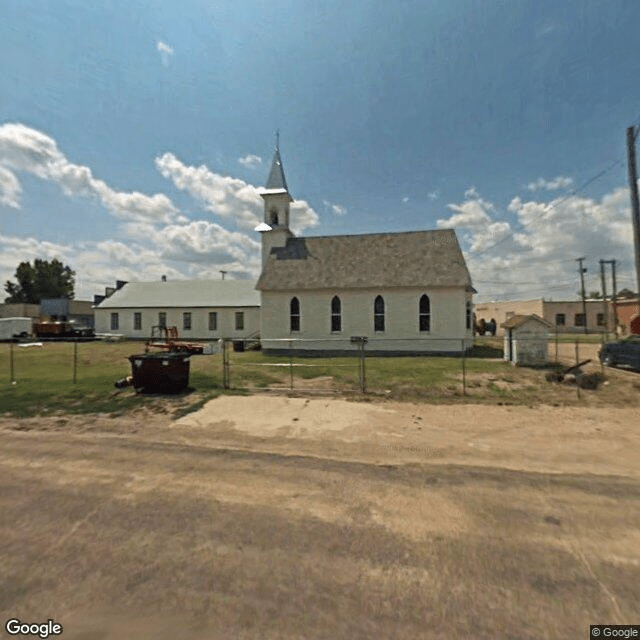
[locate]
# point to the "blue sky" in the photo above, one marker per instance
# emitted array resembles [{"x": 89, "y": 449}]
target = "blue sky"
[{"x": 134, "y": 136}]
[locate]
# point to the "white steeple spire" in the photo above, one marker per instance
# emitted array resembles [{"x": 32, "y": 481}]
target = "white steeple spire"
[
  {"x": 275, "y": 228},
  {"x": 276, "y": 178}
]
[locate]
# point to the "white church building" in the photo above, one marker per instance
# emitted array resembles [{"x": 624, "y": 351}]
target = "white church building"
[{"x": 407, "y": 292}]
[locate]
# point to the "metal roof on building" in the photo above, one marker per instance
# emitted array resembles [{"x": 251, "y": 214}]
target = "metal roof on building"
[
  {"x": 408, "y": 259},
  {"x": 184, "y": 294}
]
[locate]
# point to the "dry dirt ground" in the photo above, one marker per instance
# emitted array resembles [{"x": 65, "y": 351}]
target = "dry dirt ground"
[{"x": 272, "y": 517}]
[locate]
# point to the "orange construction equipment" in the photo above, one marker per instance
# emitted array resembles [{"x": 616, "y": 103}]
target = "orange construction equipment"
[{"x": 167, "y": 338}]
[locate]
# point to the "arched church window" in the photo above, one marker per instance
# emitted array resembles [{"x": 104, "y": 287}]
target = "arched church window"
[
  {"x": 336, "y": 314},
  {"x": 425, "y": 313},
  {"x": 378, "y": 314},
  {"x": 274, "y": 218},
  {"x": 294, "y": 314}
]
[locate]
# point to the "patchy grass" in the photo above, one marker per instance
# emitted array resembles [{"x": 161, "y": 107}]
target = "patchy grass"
[{"x": 44, "y": 379}]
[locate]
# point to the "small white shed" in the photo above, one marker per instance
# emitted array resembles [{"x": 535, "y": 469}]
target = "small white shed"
[{"x": 526, "y": 340}]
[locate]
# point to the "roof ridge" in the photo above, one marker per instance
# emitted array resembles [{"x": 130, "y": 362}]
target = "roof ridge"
[{"x": 382, "y": 233}]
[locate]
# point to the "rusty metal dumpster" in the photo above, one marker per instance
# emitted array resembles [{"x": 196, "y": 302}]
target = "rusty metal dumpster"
[{"x": 160, "y": 372}]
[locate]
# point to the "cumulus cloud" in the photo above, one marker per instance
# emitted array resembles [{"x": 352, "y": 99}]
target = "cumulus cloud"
[
  {"x": 528, "y": 251},
  {"x": 166, "y": 52},
  {"x": 335, "y": 209},
  {"x": 250, "y": 161},
  {"x": 230, "y": 198},
  {"x": 10, "y": 188},
  {"x": 23, "y": 149},
  {"x": 473, "y": 212},
  {"x": 560, "y": 182}
]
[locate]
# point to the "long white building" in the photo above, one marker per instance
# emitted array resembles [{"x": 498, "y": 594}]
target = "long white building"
[{"x": 199, "y": 309}]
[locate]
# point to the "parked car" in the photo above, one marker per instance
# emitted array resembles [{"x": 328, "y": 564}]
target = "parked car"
[{"x": 625, "y": 351}]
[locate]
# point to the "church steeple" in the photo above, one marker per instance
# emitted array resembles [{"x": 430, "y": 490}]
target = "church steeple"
[
  {"x": 276, "y": 194},
  {"x": 276, "y": 175},
  {"x": 275, "y": 227}
]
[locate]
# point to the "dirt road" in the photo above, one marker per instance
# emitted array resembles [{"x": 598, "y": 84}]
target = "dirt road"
[{"x": 262, "y": 517}]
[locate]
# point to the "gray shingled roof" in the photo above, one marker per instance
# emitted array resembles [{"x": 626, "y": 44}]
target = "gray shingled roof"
[
  {"x": 409, "y": 259},
  {"x": 185, "y": 293}
]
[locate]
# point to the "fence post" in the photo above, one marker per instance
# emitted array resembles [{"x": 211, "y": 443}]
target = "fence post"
[
  {"x": 464, "y": 371},
  {"x": 290, "y": 366},
  {"x": 75, "y": 359},
  {"x": 577, "y": 361},
  {"x": 13, "y": 380},
  {"x": 556, "y": 344},
  {"x": 363, "y": 376},
  {"x": 225, "y": 365}
]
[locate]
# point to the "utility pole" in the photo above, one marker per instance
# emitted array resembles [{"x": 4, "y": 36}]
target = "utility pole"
[
  {"x": 582, "y": 271},
  {"x": 635, "y": 202},
  {"x": 604, "y": 298},
  {"x": 614, "y": 298}
]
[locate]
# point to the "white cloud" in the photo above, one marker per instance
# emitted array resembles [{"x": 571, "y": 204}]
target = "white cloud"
[
  {"x": 250, "y": 161},
  {"x": 560, "y": 182},
  {"x": 10, "y": 189},
  {"x": 227, "y": 197},
  {"x": 206, "y": 242},
  {"x": 531, "y": 254},
  {"x": 166, "y": 52},
  {"x": 31, "y": 151},
  {"x": 433, "y": 195},
  {"x": 405, "y": 199},
  {"x": 473, "y": 212},
  {"x": 335, "y": 209},
  {"x": 471, "y": 193}
]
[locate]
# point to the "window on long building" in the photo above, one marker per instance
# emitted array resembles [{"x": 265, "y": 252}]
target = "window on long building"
[
  {"x": 468, "y": 316},
  {"x": 115, "y": 322},
  {"x": 336, "y": 314},
  {"x": 186, "y": 321},
  {"x": 378, "y": 314},
  {"x": 137, "y": 321},
  {"x": 213, "y": 321},
  {"x": 294, "y": 315},
  {"x": 425, "y": 313},
  {"x": 162, "y": 319},
  {"x": 239, "y": 320}
]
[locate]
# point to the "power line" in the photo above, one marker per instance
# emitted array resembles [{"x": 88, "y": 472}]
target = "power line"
[{"x": 556, "y": 204}]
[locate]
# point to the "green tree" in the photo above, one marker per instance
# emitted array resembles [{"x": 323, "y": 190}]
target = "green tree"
[
  {"x": 42, "y": 280},
  {"x": 594, "y": 295}
]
